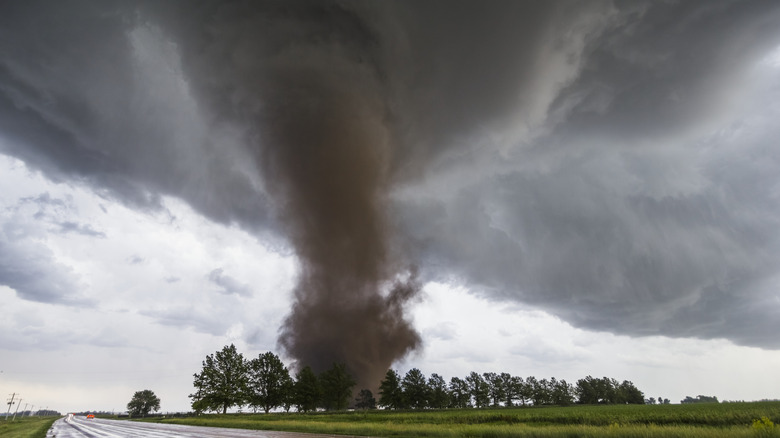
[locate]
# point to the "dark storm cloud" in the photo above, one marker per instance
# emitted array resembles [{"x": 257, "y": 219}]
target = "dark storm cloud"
[
  {"x": 611, "y": 163},
  {"x": 89, "y": 93},
  {"x": 666, "y": 68},
  {"x": 650, "y": 205}
]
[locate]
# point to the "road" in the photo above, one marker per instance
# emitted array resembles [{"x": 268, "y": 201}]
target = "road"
[{"x": 80, "y": 427}]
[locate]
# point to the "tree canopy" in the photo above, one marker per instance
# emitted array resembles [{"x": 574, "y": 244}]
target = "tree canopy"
[
  {"x": 222, "y": 383},
  {"x": 438, "y": 397},
  {"x": 142, "y": 403},
  {"x": 460, "y": 396},
  {"x": 307, "y": 391},
  {"x": 336, "y": 384},
  {"x": 479, "y": 389},
  {"x": 390, "y": 392},
  {"x": 591, "y": 390},
  {"x": 415, "y": 389},
  {"x": 700, "y": 399},
  {"x": 268, "y": 382},
  {"x": 365, "y": 400}
]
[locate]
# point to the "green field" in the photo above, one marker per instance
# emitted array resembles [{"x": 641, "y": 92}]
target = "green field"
[
  {"x": 27, "y": 427},
  {"x": 693, "y": 420}
]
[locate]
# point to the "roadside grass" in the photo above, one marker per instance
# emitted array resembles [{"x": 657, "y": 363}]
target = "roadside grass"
[
  {"x": 26, "y": 427},
  {"x": 695, "y": 420}
]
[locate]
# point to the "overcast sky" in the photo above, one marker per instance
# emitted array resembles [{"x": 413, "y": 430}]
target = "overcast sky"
[{"x": 557, "y": 189}]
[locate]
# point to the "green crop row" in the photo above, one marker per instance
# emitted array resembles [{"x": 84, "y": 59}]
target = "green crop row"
[
  {"x": 728, "y": 419},
  {"x": 26, "y": 427}
]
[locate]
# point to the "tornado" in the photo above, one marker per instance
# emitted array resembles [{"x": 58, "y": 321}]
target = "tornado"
[
  {"x": 305, "y": 84},
  {"x": 327, "y": 165}
]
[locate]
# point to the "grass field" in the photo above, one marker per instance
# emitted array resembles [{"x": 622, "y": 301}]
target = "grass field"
[
  {"x": 27, "y": 427},
  {"x": 695, "y": 420}
]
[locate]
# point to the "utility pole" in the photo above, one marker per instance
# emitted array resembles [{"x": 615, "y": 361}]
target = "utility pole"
[
  {"x": 31, "y": 410},
  {"x": 17, "y": 409},
  {"x": 25, "y": 409},
  {"x": 10, "y": 402}
]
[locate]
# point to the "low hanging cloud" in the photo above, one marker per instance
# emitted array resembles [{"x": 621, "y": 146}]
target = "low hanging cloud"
[
  {"x": 31, "y": 269},
  {"x": 53, "y": 211},
  {"x": 135, "y": 259},
  {"x": 27, "y": 264},
  {"x": 229, "y": 285},
  {"x": 69, "y": 227},
  {"x": 612, "y": 164}
]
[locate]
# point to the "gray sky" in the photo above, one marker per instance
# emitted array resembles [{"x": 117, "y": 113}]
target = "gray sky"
[{"x": 576, "y": 188}]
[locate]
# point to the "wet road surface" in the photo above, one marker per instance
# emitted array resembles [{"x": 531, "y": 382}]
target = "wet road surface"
[{"x": 80, "y": 427}]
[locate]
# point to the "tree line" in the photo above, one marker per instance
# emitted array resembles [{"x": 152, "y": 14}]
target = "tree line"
[
  {"x": 227, "y": 380},
  {"x": 414, "y": 391},
  {"x": 699, "y": 399}
]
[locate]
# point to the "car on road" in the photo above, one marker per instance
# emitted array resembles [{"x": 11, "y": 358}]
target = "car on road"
[{"x": 90, "y": 416}]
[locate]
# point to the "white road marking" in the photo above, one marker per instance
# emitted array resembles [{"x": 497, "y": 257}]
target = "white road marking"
[{"x": 80, "y": 427}]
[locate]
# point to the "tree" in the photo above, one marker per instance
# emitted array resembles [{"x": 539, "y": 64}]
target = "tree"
[
  {"x": 365, "y": 400},
  {"x": 142, "y": 403},
  {"x": 496, "y": 389},
  {"x": 267, "y": 379},
  {"x": 610, "y": 387},
  {"x": 479, "y": 389},
  {"x": 589, "y": 390},
  {"x": 288, "y": 389},
  {"x": 199, "y": 403},
  {"x": 438, "y": 397},
  {"x": 307, "y": 390},
  {"x": 562, "y": 392},
  {"x": 460, "y": 395},
  {"x": 605, "y": 390},
  {"x": 222, "y": 383},
  {"x": 535, "y": 390},
  {"x": 415, "y": 389},
  {"x": 700, "y": 399},
  {"x": 542, "y": 392},
  {"x": 390, "y": 392},
  {"x": 510, "y": 391},
  {"x": 628, "y": 393},
  {"x": 336, "y": 384},
  {"x": 516, "y": 391}
]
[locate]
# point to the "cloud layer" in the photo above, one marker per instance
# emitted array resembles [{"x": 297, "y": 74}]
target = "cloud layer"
[{"x": 614, "y": 165}]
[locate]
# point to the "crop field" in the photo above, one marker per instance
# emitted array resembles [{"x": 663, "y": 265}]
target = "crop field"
[
  {"x": 26, "y": 427},
  {"x": 693, "y": 420}
]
